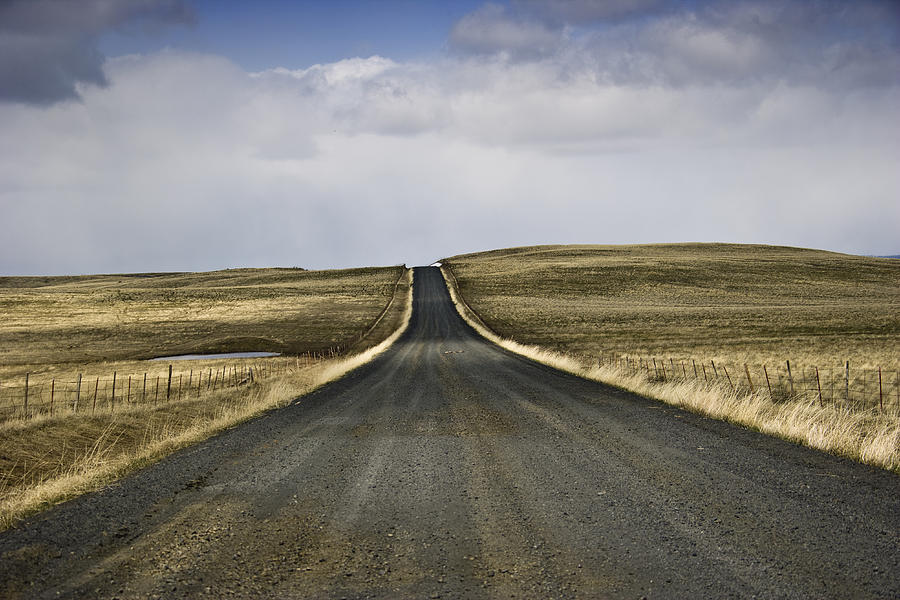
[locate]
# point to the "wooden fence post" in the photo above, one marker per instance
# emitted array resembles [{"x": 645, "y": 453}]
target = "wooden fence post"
[
  {"x": 695, "y": 369},
  {"x": 768, "y": 385},
  {"x": 180, "y": 375},
  {"x": 819, "y": 387},
  {"x": 790, "y": 377},
  {"x": 169, "y": 385},
  {"x": 724, "y": 368},
  {"x": 715, "y": 372},
  {"x": 112, "y": 402},
  {"x": 52, "y": 393},
  {"x": 144, "y": 390},
  {"x": 847, "y": 383},
  {"x": 750, "y": 381},
  {"x": 156, "y": 395},
  {"x": 880, "y": 397},
  {"x": 96, "y": 387},
  {"x": 128, "y": 398},
  {"x": 199, "y": 381},
  {"x": 705, "y": 378},
  {"x": 26, "y": 395},
  {"x": 683, "y": 371},
  {"x": 77, "y": 392}
]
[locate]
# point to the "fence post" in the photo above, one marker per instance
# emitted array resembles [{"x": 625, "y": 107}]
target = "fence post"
[
  {"x": 790, "y": 377},
  {"x": 714, "y": 368},
  {"x": 112, "y": 401},
  {"x": 724, "y": 368},
  {"x": 199, "y": 381},
  {"x": 52, "y": 393},
  {"x": 180, "y": 375},
  {"x": 695, "y": 368},
  {"x": 77, "y": 392},
  {"x": 847, "y": 383},
  {"x": 144, "y": 390},
  {"x": 683, "y": 371},
  {"x": 129, "y": 390},
  {"x": 251, "y": 374},
  {"x": 768, "y": 385},
  {"x": 26, "y": 395},
  {"x": 750, "y": 381},
  {"x": 705, "y": 378},
  {"x": 96, "y": 387},
  {"x": 880, "y": 397},
  {"x": 156, "y": 394},
  {"x": 819, "y": 387},
  {"x": 169, "y": 385}
]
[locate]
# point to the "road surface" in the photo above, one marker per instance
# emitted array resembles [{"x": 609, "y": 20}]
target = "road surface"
[{"x": 451, "y": 468}]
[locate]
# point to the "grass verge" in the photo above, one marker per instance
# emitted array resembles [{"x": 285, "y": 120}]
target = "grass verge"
[
  {"x": 865, "y": 436},
  {"x": 52, "y": 459}
]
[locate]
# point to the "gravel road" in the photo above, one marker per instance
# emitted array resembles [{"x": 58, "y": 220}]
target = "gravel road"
[{"x": 451, "y": 468}]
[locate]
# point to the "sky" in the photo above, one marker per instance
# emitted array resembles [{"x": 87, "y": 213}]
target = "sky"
[{"x": 170, "y": 135}]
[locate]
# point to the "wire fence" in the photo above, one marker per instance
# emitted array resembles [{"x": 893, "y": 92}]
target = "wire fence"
[
  {"x": 851, "y": 388},
  {"x": 35, "y": 395}
]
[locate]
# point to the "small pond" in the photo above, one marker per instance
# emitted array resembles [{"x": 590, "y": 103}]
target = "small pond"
[{"x": 214, "y": 356}]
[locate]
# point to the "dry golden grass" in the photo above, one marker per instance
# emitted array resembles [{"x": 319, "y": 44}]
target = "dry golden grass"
[
  {"x": 724, "y": 302},
  {"x": 75, "y": 320},
  {"x": 867, "y": 435},
  {"x": 47, "y": 459}
]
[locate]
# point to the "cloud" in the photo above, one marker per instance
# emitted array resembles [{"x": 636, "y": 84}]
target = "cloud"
[
  {"x": 667, "y": 127},
  {"x": 577, "y": 12},
  {"x": 48, "y": 48},
  {"x": 493, "y": 29}
]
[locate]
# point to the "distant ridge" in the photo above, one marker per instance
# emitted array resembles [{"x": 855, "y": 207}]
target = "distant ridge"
[{"x": 890, "y": 256}]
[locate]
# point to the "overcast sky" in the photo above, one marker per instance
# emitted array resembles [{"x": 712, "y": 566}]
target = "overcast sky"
[{"x": 158, "y": 135}]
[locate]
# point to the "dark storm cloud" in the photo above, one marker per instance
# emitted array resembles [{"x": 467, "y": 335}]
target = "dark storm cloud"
[{"x": 48, "y": 47}]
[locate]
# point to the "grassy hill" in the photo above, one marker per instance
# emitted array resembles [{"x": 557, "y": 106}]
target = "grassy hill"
[
  {"x": 52, "y": 320},
  {"x": 743, "y": 303}
]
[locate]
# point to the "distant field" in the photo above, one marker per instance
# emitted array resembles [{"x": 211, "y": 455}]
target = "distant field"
[
  {"x": 736, "y": 303},
  {"x": 88, "y": 319}
]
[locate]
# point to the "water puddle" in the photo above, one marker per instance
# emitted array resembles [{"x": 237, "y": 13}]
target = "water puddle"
[{"x": 215, "y": 356}]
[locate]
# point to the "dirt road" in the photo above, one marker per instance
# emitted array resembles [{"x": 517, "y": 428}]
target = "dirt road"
[{"x": 450, "y": 468}]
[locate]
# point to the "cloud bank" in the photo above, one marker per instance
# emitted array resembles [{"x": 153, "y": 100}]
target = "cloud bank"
[{"x": 564, "y": 122}]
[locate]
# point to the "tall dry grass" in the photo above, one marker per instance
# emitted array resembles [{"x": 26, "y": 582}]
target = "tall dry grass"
[
  {"x": 866, "y": 436},
  {"x": 50, "y": 459}
]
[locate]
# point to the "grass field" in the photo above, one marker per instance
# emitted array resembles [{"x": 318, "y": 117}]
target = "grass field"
[
  {"x": 710, "y": 303},
  {"x": 94, "y": 318},
  {"x": 735, "y": 303},
  {"x": 50, "y": 457}
]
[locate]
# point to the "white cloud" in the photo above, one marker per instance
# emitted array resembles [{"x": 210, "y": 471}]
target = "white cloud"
[{"x": 186, "y": 161}]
